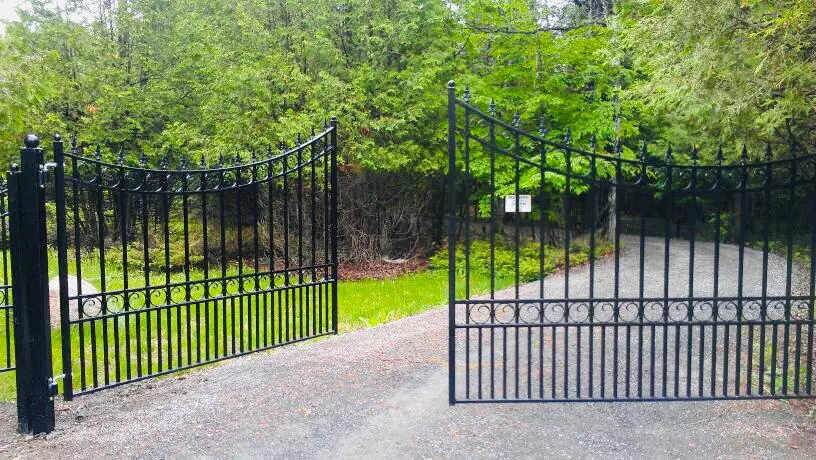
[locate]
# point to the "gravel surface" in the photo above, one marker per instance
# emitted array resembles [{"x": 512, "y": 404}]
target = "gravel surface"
[{"x": 382, "y": 393}]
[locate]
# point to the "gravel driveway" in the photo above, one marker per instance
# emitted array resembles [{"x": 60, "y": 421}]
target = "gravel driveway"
[{"x": 382, "y": 393}]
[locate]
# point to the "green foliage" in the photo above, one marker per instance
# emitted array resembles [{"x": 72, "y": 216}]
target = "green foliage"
[
  {"x": 723, "y": 71},
  {"x": 529, "y": 267}
]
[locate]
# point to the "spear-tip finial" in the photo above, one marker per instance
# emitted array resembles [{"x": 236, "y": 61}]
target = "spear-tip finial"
[
  {"x": 542, "y": 125},
  {"x": 618, "y": 147},
  {"x": 516, "y": 120},
  {"x": 121, "y": 157},
  {"x": 202, "y": 163},
  {"x": 491, "y": 109},
  {"x": 466, "y": 94},
  {"x": 669, "y": 154},
  {"x": 593, "y": 143},
  {"x": 695, "y": 157},
  {"x": 98, "y": 152},
  {"x": 719, "y": 155},
  {"x": 567, "y": 136},
  {"x": 744, "y": 155},
  {"x": 143, "y": 158},
  {"x": 644, "y": 152}
]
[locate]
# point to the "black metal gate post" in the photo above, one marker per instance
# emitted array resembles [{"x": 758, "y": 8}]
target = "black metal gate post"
[
  {"x": 451, "y": 243},
  {"x": 32, "y": 331}
]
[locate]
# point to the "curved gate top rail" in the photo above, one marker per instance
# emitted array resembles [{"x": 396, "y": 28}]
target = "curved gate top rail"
[
  {"x": 162, "y": 269},
  {"x": 614, "y": 278}
]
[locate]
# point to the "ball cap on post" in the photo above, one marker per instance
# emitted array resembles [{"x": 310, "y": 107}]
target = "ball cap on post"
[{"x": 31, "y": 141}]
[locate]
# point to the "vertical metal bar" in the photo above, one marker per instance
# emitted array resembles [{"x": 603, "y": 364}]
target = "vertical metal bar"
[
  {"x": 692, "y": 240},
  {"x": 517, "y": 251},
  {"x": 616, "y": 187},
  {"x": 239, "y": 227},
  {"x": 205, "y": 244},
  {"x": 123, "y": 239},
  {"x": 466, "y": 194},
  {"x": 764, "y": 308},
  {"x": 335, "y": 220},
  {"x": 276, "y": 323},
  {"x": 716, "y": 287},
  {"x": 146, "y": 258},
  {"x": 812, "y": 293},
  {"x": 253, "y": 190},
  {"x": 668, "y": 209},
  {"x": 62, "y": 262},
  {"x": 791, "y": 218},
  {"x": 741, "y": 271},
  {"x": 100, "y": 217},
  {"x": 644, "y": 180},
  {"x": 185, "y": 221},
  {"x": 567, "y": 211},
  {"x": 222, "y": 235},
  {"x": 313, "y": 228},
  {"x": 592, "y": 229},
  {"x": 300, "y": 238},
  {"x": 168, "y": 291},
  {"x": 451, "y": 243},
  {"x": 541, "y": 265},
  {"x": 492, "y": 153}
]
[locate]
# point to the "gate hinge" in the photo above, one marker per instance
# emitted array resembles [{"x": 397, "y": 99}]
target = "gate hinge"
[{"x": 45, "y": 171}]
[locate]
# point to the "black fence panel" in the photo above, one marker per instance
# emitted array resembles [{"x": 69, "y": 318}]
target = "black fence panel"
[
  {"x": 619, "y": 276},
  {"x": 171, "y": 267}
]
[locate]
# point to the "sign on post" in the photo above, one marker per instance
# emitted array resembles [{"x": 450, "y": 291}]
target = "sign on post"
[{"x": 525, "y": 203}]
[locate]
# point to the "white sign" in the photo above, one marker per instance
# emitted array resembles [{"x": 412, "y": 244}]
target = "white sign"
[{"x": 525, "y": 203}]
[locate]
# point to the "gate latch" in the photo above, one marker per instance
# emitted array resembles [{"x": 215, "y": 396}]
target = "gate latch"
[
  {"x": 44, "y": 172},
  {"x": 53, "y": 389}
]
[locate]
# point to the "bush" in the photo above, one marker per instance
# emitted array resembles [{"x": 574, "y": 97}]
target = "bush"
[{"x": 529, "y": 262}]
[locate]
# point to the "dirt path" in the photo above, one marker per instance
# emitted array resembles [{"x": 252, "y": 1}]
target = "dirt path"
[{"x": 382, "y": 393}]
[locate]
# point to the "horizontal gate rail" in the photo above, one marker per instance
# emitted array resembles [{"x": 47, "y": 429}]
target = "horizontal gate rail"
[
  {"x": 167, "y": 268},
  {"x": 618, "y": 275}
]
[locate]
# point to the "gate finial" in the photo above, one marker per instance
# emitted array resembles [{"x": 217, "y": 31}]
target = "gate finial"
[
  {"x": 744, "y": 155},
  {"x": 31, "y": 141},
  {"x": 542, "y": 125},
  {"x": 593, "y": 143},
  {"x": 491, "y": 109},
  {"x": 644, "y": 153},
  {"x": 516, "y": 120},
  {"x": 694, "y": 156},
  {"x": 466, "y": 95},
  {"x": 768, "y": 151},
  {"x": 567, "y": 137},
  {"x": 719, "y": 155}
]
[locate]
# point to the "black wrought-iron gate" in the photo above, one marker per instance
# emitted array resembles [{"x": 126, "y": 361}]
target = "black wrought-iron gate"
[
  {"x": 612, "y": 275},
  {"x": 165, "y": 267}
]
